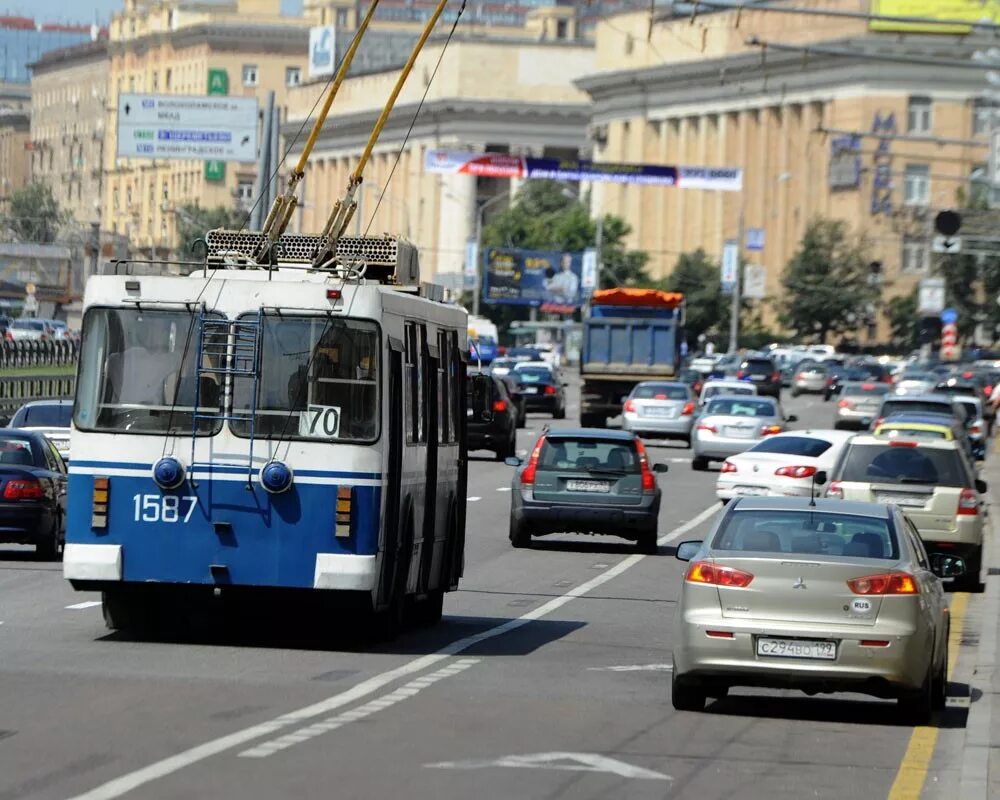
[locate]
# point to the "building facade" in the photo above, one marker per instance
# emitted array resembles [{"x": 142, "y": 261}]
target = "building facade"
[
  {"x": 829, "y": 120},
  {"x": 15, "y": 138},
  {"x": 245, "y": 48},
  {"x": 69, "y": 108},
  {"x": 498, "y": 95}
]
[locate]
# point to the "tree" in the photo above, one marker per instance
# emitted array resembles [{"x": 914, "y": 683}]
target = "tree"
[
  {"x": 193, "y": 222},
  {"x": 35, "y": 215},
  {"x": 827, "y": 283},
  {"x": 904, "y": 322},
  {"x": 545, "y": 215},
  {"x": 705, "y": 307}
]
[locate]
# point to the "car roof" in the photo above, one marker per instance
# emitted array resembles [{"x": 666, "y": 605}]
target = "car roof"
[
  {"x": 743, "y": 398},
  {"x": 727, "y": 382},
  {"x": 36, "y": 403},
  {"x": 936, "y": 444},
  {"x": 538, "y": 364},
  {"x": 878, "y": 510},
  {"x": 939, "y": 397},
  {"x": 589, "y": 433},
  {"x": 904, "y": 425},
  {"x": 664, "y": 382},
  {"x": 35, "y": 437},
  {"x": 923, "y": 417},
  {"x": 830, "y": 434}
]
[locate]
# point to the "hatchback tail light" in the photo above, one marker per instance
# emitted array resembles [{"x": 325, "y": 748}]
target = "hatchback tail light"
[
  {"x": 844, "y": 404},
  {"x": 887, "y": 583},
  {"x": 629, "y": 406},
  {"x": 528, "y": 473},
  {"x": 898, "y": 443},
  {"x": 968, "y": 503},
  {"x": 835, "y": 490},
  {"x": 976, "y": 429},
  {"x": 688, "y": 410},
  {"x": 728, "y": 466},
  {"x": 550, "y": 389},
  {"x": 795, "y": 472},
  {"x": 648, "y": 478},
  {"x": 23, "y": 489},
  {"x": 775, "y": 376},
  {"x": 800, "y": 376},
  {"x": 499, "y": 406},
  {"x": 707, "y": 572},
  {"x": 868, "y": 387},
  {"x": 878, "y": 422},
  {"x": 741, "y": 374}
]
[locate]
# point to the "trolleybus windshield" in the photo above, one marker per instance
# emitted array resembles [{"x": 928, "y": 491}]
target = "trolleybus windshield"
[
  {"x": 137, "y": 373},
  {"x": 319, "y": 380}
]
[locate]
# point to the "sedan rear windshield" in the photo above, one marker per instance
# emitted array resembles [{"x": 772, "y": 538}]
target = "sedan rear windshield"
[
  {"x": 728, "y": 406},
  {"x": 896, "y": 463},
  {"x": 858, "y": 390},
  {"x": 758, "y": 366},
  {"x": 712, "y": 391},
  {"x": 793, "y": 446},
  {"x": 807, "y": 532},
  {"x": 28, "y": 325},
  {"x": 660, "y": 391},
  {"x": 533, "y": 375},
  {"x": 589, "y": 455},
  {"x": 15, "y": 452},
  {"x": 49, "y": 416}
]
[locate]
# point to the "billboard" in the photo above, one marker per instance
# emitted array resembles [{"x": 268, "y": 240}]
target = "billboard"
[
  {"x": 504, "y": 165},
  {"x": 845, "y": 162},
  {"x": 944, "y": 10},
  {"x": 322, "y": 51},
  {"x": 550, "y": 281}
]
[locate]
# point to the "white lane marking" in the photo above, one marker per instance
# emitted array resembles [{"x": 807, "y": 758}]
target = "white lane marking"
[
  {"x": 83, "y": 605},
  {"x": 572, "y": 762},
  {"x": 126, "y": 783},
  {"x": 504, "y": 489},
  {"x": 680, "y": 460},
  {"x": 635, "y": 668},
  {"x": 265, "y": 749},
  {"x": 474, "y": 499}
]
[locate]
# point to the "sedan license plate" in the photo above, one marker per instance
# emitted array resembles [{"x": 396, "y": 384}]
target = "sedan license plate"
[
  {"x": 758, "y": 377},
  {"x": 588, "y": 486},
  {"x": 738, "y": 433},
  {"x": 750, "y": 491},
  {"x": 797, "y": 648},
  {"x": 529, "y": 390},
  {"x": 658, "y": 411}
]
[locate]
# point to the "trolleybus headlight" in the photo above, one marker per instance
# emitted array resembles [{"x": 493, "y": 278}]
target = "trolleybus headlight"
[
  {"x": 168, "y": 473},
  {"x": 275, "y": 477}
]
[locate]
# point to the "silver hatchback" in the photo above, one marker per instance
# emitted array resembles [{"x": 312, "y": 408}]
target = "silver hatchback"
[
  {"x": 655, "y": 409},
  {"x": 823, "y": 596},
  {"x": 731, "y": 424}
]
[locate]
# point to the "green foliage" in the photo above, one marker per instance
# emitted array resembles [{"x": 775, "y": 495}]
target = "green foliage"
[
  {"x": 34, "y": 214},
  {"x": 193, "y": 222},
  {"x": 827, "y": 282},
  {"x": 545, "y": 215},
  {"x": 706, "y": 309},
  {"x": 961, "y": 273},
  {"x": 904, "y": 324}
]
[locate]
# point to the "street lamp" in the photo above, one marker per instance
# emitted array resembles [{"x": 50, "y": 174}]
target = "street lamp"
[{"x": 480, "y": 211}]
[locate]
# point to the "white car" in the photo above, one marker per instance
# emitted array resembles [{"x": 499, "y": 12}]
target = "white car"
[
  {"x": 48, "y": 417},
  {"x": 712, "y": 388},
  {"x": 548, "y": 351},
  {"x": 783, "y": 465},
  {"x": 31, "y": 330}
]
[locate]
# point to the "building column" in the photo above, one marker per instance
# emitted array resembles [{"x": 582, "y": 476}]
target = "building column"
[{"x": 456, "y": 224}]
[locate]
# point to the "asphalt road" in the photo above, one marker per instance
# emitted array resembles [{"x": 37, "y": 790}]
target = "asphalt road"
[{"x": 549, "y": 678}]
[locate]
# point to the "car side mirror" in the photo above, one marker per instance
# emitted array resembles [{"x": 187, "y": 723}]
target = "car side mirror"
[
  {"x": 513, "y": 461},
  {"x": 660, "y": 468},
  {"x": 947, "y": 566},
  {"x": 791, "y": 418},
  {"x": 687, "y": 550},
  {"x": 981, "y": 486},
  {"x": 819, "y": 478}
]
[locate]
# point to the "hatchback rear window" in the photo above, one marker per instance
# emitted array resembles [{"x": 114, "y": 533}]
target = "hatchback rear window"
[
  {"x": 660, "y": 391},
  {"x": 863, "y": 389},
  {"x": 793, "y": 446},
  {"x": 900, "y": 464},
  {"x": 758, "y": 366},
  {"x": 741, "y": 408},
  {"x": 586, "y": 455},
  {"x": 890, "y": 407},
  {"x": 807, "y": 532}
]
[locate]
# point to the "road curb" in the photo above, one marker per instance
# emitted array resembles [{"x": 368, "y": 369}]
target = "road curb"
[{"x": 975, "y": 780}]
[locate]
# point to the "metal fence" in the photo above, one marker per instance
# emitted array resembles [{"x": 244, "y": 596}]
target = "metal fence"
[
  {"x": 16, "y": 390},
  {"x": 38, "y": 354}
]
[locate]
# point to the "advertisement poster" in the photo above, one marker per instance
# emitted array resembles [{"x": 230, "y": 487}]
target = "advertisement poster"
[{"x": 547, "y": 280}]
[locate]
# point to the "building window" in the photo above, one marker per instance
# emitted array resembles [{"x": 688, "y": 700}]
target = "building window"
[
  {"x": 156, "y": 81},
  {"x": 917, "y": 185},
  {"x": 918, "y": 115},
  {"x": 293, "y": 76},
  {"x": 249, "y": 74},
  {"x": 915, "y": 256},
  {"x": 166, "y": 191},
  {"x": 168, "y": 76},
  {"x": 341, "y": 18},
  {"x": 244, "y": 194},
  {"x": 982, "y": 117},
  {"x": 128, "y": 197},
  {"x": 562, "y": 28},
  {"x": 114, "y": 200}
]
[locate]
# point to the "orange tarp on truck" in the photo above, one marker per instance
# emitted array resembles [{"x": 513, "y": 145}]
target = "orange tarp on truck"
[{"x": 651, "y": 298}]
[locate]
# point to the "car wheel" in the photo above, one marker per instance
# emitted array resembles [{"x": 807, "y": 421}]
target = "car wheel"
[
  {"x": 522, "y": 419},
  {"x": 647, "y": 543},
  {"x": 916, "y": 706},
  {"x": 686, "y": 696},
  {"x": 519, "y": 535},
  {"x": 51, "y": 548},
  {"x": 795, "y": 392},
  {"x": 699, "y": 463},
  {"x": 559, "y": 413},
  {"x": 969, "y": 582},
  {"x": 940, "y": 688},
  {"x": 687, "y": 442}
]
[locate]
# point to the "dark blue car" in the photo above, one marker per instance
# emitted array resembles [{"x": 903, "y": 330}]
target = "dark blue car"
[{"x": 32, "y": 492}]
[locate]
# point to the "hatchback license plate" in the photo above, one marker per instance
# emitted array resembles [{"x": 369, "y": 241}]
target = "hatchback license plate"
[
  {"x": 908, "y": 500},
  {"x": 588, "y": 486},
  {"x": 797, "y": 648}
]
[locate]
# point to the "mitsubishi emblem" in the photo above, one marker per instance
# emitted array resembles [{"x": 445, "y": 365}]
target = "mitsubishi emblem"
[{"x": 799, "y": 583}]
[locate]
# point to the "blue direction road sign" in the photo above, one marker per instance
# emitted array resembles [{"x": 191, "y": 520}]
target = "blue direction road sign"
[
  {"x": 949, "y": 316},
  {"x": 755, "y": 239}
]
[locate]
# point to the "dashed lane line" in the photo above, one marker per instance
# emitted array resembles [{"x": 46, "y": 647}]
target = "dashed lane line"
[
  {"x": 160, "y": 769},
  {"x": 473, "y": 499},
  {"x": 83, "y": 605}
]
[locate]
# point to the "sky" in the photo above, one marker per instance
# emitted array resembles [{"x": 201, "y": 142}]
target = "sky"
[{"x": 95, "y": 11}]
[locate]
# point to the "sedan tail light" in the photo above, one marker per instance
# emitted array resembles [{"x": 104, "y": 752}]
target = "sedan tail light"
[
  {"x": 23, "y": 489},
  {"x": 528, "y": 473},
  {"x": 629, "y": 406},
  {"x": 707, "y": 572},
  {"x": 968, "y": 503},
  {"x": 728, "y": 466},
  {"x": 835, "y": 490},
  {"x": 741, "y": 374},
  {"x": 709, "y": 428},
  {"x": 844, "y": 404},
  {"x": 800, "y": 376},
  {"x": 775, "y": 376},
  {"x": 887, "y": 583},
  {"x": 550, "y": 389},
  {"x": 767, "y": 430},
  {"x": 795, "y": 472},
  {"x": 688, "y": 410}
]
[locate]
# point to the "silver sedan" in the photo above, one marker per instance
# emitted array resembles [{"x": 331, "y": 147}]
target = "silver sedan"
[
  {"x": 822, "y": 597},
  {"x": 731, "y": 424}
]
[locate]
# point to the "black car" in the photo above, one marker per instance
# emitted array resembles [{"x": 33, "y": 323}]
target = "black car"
[
  {"x": 514, "y": 390},
  {"x": 763, "y": 374},
  {"x": 32, "y": 492},
  {"x": 491, "y": 416},
  {"x": 542, "y": 388}
]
